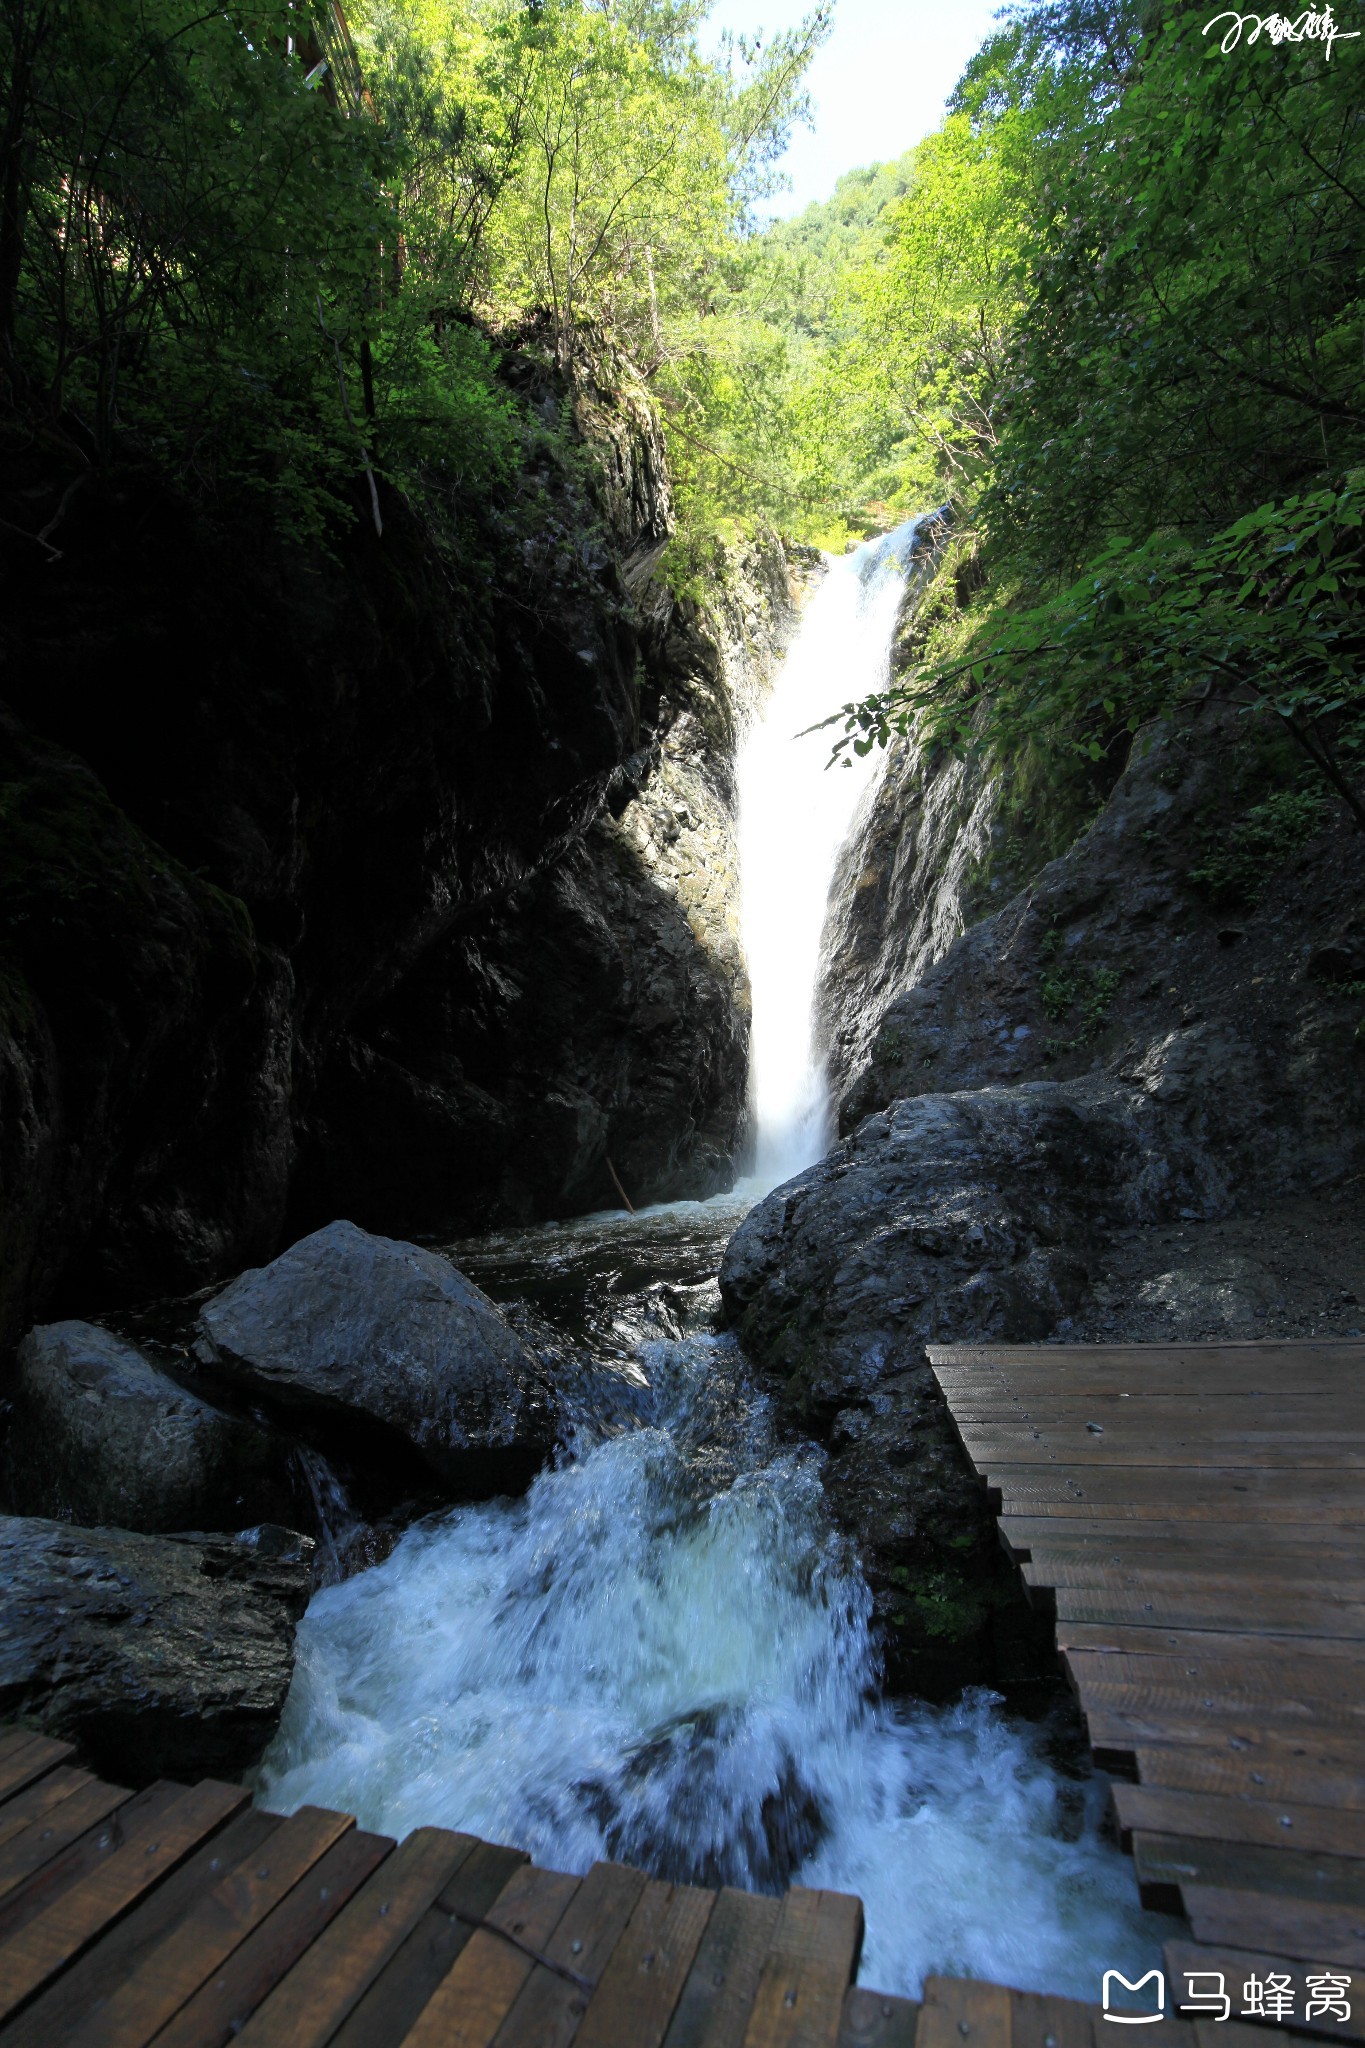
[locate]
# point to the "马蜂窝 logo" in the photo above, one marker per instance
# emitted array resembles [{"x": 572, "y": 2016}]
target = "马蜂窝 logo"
[{"x": 1133, "y": 2019}]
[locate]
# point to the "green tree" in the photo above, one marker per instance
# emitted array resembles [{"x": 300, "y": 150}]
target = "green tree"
[{"x": 1193, "y": 339}]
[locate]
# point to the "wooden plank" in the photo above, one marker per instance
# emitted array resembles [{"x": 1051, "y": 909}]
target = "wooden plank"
[
  {"x": 1321, "y": 1686},
  {"x": 1026, "y": 1398},
  {"x": 1016, "y": 1392},
  {"x": 548, "y": 2009},
  {"x": 1255, "y": 1347},
  {"x": 1215, "y": 1372},
  {"x": 960, "y": 2012},
  {"x": 713, "y": 2010},
  {"x": 1296, "y": 1724},
  {"x": 1130, "y": 1640},
  {"x": 215, "y": 2016},
  {"x": 1254, "y": 1776},
  {"x": 45, "y": 1837},
  {"x": 1012, "y": 1402},
  {"x": 94, "y": 1847},
  {"x": 120, "y": 1950},
  {"x": 1007, "y": 1409},
  {"x": 1137, "y": 1491},
  {"x": 1117, "y": 1731},
  {"x": 206, "y": 1935},
  {"x": 1040, "y": 2022},
  {"x": 873, "y": 2019},
  {"x": 1128, "y": 1450},
  {"x": 641, "y": 1985},
  {"x": 1310, "y": 1627},
  {"x": 1166, "y": 1864},
  {"x": 1201, "y": 1607},
  {"x": 149, "y": 1852},
  {"x": 1309, "y": 1829},
  {"x": 472, "y": 2001},
  {"x": 799, "y": 2002},
  {"x": 1307, "y": 1930},
  {"x": 1096, "y": 1533},
  {"x": 27, "y": 1756},
  {"x": 1238, "y": 1966},
  {"x": 1209, "y": 2033},
  {"x": 1263, "y": 1353},
  {"x": 405, "y": 1984},
  {"x": 1192, "y": 1699},
  {"x": 1123, "y": 1435},
  {"x": 330, "y": 1980},
  {"x": 1200, "y": 1575},
  {"x": 1195, "y": 1512},
  {"x": 1199, "y": 1552},
  {"x": 39, "y": 1799}
]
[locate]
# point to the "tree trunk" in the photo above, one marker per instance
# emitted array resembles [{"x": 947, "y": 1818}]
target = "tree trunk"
[{"x": 15, "y": 170}]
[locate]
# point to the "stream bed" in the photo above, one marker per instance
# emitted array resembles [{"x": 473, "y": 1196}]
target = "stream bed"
[{"x": 661, "y": 1655}]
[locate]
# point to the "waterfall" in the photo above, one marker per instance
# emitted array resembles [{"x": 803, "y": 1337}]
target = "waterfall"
[
  {"x": 795, "y": 812},
  {"x": 663, "y": 1653}
]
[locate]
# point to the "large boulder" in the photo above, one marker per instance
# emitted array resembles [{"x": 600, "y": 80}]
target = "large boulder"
[
  {"x": 158, "y": 1656},
  {"x": 390, "y": 1348},
  {"x": 99, "y": 1434},
  {"x": 958, "y": 1218}
]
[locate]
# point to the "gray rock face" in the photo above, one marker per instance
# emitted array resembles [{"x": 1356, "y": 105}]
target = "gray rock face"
[
  {"x": 594, "y": 1021},
  {"x": 349, "y": 1330},
  {"x": 904, "y": 891},
  {"x": 957, "y": 1218},
  {"x": 100, "y": 1435},
  {"x": 298, "y": 964},
  {"x": 953, "y": 1219},
  {"x": 1117, "y": 958},
  {"x": 159, "y": 1656},
  {"x": 1049, "y": 1116}
]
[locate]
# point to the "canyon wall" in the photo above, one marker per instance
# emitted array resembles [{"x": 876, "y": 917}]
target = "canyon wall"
[
  {"x": 392, "y": 877},
  {"x": 1112, "y": 1091}
]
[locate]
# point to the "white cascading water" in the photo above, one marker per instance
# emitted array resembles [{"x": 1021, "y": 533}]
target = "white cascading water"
[
  {"x": 662, "y": 1653},
  {"x": 794, "y": 816}
]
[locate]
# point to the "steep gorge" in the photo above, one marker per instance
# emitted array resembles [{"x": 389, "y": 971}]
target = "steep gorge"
[
  {"x": 1099, "y": 1057},
  {"x": 395, "y": 880}
]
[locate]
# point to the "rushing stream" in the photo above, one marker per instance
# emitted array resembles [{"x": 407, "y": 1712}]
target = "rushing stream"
[{"x": 662, "y": 1654}]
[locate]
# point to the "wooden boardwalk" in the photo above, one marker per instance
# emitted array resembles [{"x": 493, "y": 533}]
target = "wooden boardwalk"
[
  {"x": 1194, "y": 1515},
  {"x": 189, "y": 1919}
]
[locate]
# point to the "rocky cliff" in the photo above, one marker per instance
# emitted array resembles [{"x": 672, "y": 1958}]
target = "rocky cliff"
[
  {"x": 587, "y": 1035},
  {"x": 393, "y": 879},
  {"x": 1127, "y": 1100}
]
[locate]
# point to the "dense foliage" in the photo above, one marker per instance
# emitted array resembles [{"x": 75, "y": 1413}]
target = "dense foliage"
[
  {"x": 1110, "y": 312},
  {"x": 265, "y": 247},
  {"x": 1122, "y": 305}
]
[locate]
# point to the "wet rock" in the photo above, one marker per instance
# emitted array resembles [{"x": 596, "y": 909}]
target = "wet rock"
[
  {"x": 952, "y": 1218},
  {"x": 144, "y": 1051},
  {"x": 157, "y": 1655},
  {"x": 697, "y": 1832},
  {"x": 592, "y": 1027},
  {"x": 903, "y": 890},
  {"x": 392, "y": 1347},
  {"x": 291, "y": 942},
  {"x": 1117, "y": 957},
  {"x": 99, "y": 1434}
]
